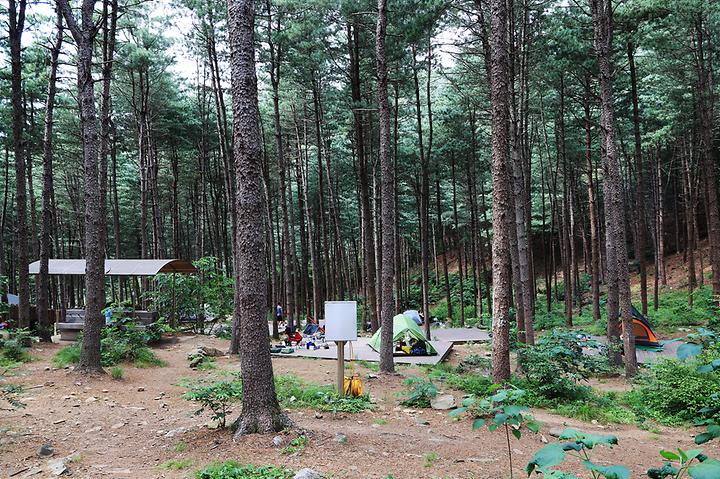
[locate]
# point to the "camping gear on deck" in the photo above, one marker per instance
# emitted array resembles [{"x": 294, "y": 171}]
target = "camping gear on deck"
[
  {"x": 414, "y": 315},
  {"x": 406, "y": 333},
  {"x": 644, "y": 335}
]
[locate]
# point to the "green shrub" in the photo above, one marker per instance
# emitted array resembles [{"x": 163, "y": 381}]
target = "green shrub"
[
  {"x": 117, "y": 373},
  {"x": 120, "y": 342},
  {"x": 420, "y": 393},
  {"x": 14, "y": 349},
  {"x": 555, "y": 366},
  {"x": 217, "y": 397},
  {"x": 674, "y": 392},
  {"x": 234, "y": 470}
]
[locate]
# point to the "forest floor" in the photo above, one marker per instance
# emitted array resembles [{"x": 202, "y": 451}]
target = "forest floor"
[{"x": 132, "y": 427}]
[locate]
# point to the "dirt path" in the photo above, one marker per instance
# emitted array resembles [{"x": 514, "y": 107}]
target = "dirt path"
[{"x": 128, "y": 428}]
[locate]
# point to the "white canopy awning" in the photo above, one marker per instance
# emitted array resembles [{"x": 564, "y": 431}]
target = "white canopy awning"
[{"x": 118, "y": 267}]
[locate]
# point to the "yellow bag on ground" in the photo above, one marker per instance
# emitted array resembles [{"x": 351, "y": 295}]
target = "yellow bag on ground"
[{"x": 352, "y": 386}]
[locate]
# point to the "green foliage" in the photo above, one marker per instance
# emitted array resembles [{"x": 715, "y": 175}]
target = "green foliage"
[
  {"x": 67, "y": 356},
  {"x": 607, "y": 408},
  {"x": 471, "y": 383},
  {"x": 209, "y": 292},
  {"x": 235, "y": 470},
  {"x": 121, "y": 341},
  {"x": 500, "y": 410},
  {"x": 294, "y": 393},
  {"x": 217, "y": 397},
  {"x": 674, "y": 392},
  {"x": 176, "y": 464},
  {"x": 578, "y": 445},
  {"x": 420, "y": 392},
  {"x": 556, "y": 364},
  {"x": 473, "y": 362},
  {"x": 430, "y": 458},
  {"x": 9, "y": 393},
  {"x": 14, "y": 348},
  {"x": 674, "y": 311},
  {"x": 296, "y": 446},
  {"x": 117, "y": 373}
]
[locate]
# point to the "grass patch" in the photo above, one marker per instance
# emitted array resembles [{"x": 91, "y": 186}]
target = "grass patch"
[
  {"x": 235, "y": 470},
  {"x": 176, "y": 464},
  {"x": 294, "y": 393},
  {"x": 430, "y": 458},
  {"x": 380, "y": 421},
  {"x": 599, "y": 408},
  {"x": 375, "y": 367},
  {"x": 117, "y": 373},
  {"x": 180, "y": 447},
  {"x": 67, "y": 356},
  {"x": 141, "y": 358},
  {"x": 471, "y": 383}
]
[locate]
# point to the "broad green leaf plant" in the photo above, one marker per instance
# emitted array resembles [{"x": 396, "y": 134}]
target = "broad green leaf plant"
[{"x": 500, "y": 411}]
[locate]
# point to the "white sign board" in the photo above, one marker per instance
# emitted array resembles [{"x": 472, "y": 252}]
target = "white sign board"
[{"x": 341, "y": 321}]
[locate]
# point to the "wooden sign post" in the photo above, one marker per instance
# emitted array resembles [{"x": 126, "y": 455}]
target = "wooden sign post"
[
  {"x": 341, "y": 367},
  {"x": 341, "y": 327}
]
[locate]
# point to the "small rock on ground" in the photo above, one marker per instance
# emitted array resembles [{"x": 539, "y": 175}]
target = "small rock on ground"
[
  {"x": 46, "y": 450},
  {"x": 308, "y": 474},
  {"x": 443, "y": 402}
]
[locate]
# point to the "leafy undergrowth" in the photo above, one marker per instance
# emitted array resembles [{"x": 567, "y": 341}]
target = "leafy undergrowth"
[
  {"x": 14, "y": 349},
  {"x": 234, "y": 470},
  {"x": 292, "y": 392},
  {"x": 124, "y": 341}
]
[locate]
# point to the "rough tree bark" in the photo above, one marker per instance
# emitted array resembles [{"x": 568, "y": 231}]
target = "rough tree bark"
[
  {"x": 84, "y": 35},
  {"x": 502, "y": 205},
  {"x": 46, "y": 224},
  {"x": 387, "y": 168},
  {"x": 640, "y": 184},
  {"x": 16, "y": 25},
  {"x": 614, "y": 205},
  {"x": 261, "y": 411}
]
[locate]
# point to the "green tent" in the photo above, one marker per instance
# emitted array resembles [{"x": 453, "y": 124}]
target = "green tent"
[{"x": 403, "y": 327}]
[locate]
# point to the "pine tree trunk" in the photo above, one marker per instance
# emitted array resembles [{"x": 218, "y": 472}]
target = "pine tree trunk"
[
  {"x": 46, "y": 225},
  {"x": 16, "y": 24},
  {"x": 260, "y": 409},
  {"x": 614, "y": 205},
  {"x": 387, "y": 167},
  {"x": 502, "y": 205},
  {"x": 640, "y": 185},
  {"x": 94, "y": 215}
]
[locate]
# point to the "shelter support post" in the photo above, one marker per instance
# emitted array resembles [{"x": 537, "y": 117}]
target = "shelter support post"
[{"x": 173, "y": 320}]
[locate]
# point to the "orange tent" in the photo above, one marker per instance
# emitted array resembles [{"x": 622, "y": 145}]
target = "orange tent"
[{"x": 644, "y": 335}]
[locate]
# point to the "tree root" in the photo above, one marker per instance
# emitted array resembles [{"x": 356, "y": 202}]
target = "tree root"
[{"x": 261, "y": 422}]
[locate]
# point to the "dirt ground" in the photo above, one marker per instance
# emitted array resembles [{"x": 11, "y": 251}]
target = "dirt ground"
[{"x": 128, "y": 428}]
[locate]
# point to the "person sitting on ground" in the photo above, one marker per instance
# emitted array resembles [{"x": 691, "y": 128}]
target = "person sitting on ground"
[{"x": 293, "y": 336}]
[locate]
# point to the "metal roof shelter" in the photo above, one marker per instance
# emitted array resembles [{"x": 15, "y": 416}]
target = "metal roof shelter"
[{"x": 118, "y": 267}]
